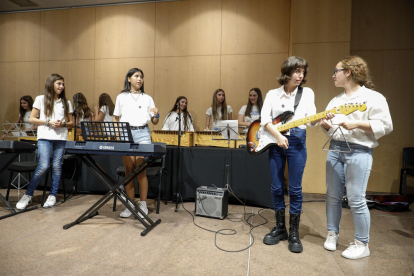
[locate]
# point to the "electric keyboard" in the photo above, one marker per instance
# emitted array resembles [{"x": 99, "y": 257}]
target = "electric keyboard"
[
  {"x": 115, "y": 148},
  {"x": 16, "y": 147}
]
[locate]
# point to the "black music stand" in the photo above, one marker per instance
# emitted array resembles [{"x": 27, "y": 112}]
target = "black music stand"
[
  {"x": 101, "y": 138},
  {"x": 14, "y": 147}
]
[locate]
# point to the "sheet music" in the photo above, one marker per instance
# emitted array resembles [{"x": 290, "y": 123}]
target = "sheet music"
[{"x": 229, "y": 127}]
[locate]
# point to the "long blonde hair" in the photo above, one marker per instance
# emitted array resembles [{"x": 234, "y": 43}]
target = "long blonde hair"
[
  {"x": 359, "y": 71},
  {"x": 224, "y": 114}
]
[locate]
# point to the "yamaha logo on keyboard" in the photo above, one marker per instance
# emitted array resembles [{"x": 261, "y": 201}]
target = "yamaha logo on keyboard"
[{"x": 107, "y": 147}]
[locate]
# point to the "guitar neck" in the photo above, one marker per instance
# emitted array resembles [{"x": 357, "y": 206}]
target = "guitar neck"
[{"x": 303, "y": 121}]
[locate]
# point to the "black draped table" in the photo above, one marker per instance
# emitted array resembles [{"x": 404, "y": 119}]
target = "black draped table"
[{"x": 249, "y": 176}]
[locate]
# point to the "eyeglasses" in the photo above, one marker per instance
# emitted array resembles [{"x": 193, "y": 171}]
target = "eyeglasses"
[{"x": 337, "y": 70}]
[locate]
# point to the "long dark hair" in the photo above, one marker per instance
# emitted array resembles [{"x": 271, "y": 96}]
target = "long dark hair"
[
  {"x": 186, "y": 114},
  {"x": 259, "y": 102},
  {"x": 49, "y": 100},
  {"x": 83, "y": 105},
  {"x": 29, "y": 101},
  {"x": 224, "y": 114},
  {"x": 127, "y": 84},
  {"x": 105, "y": 100}
]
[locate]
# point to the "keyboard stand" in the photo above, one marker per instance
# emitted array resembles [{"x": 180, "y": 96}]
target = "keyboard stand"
[
  {"x": 116, "y": 191},
  {"x": 14, "y": 212}
]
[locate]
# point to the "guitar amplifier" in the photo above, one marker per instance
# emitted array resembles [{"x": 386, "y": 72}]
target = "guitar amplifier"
[{"x": 211, "y": 202}]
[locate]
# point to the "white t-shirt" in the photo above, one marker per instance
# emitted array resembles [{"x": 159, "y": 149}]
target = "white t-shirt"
[
  {"x": 277, "y": 102},
  {"x": 26, "y": 121},
  {"x": 209, "y": 112},
  {"x": 171, "y": 122},
  {"x": 134, "y": 108},
  {"x": 105, "y": 110},
  {"x": 254, "y": 114},
  {"x": 46, "y": 132},
  {"x": 377, "y": 114},
  {"x": 82, "y": 119}
]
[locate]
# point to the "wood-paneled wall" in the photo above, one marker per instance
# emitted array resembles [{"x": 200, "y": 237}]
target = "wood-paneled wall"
[
  {"x": 382, "y": 34},
  {"x": 322, "y": 35},
  {"x": 186, "y": 48},
  {"x": 193, "y": 47}
]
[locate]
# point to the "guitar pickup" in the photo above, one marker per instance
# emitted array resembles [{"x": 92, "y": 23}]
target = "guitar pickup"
[{"x": 257, "y": 135}]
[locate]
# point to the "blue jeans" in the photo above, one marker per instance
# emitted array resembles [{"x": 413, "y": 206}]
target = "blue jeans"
[
  {"x": 295, "y": 156},
  {"x": 353, "y": 169},
  {"x": 45, "y": 147}
]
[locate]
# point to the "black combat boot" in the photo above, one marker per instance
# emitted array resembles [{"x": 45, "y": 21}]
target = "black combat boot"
[
  {"x": 294, "y": 242},
  {"x": 279, "y": 232}
]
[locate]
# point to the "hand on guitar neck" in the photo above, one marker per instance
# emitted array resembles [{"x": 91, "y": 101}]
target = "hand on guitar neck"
[
  {"x": 259, "y": 139},
  {"x": 326, "y": 122}
]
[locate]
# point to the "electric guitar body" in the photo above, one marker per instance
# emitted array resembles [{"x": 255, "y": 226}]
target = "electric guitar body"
[{"x": 259, "y": 139}]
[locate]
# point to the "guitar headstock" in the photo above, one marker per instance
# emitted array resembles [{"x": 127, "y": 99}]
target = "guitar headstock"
[{"x": 349, "y": 108}]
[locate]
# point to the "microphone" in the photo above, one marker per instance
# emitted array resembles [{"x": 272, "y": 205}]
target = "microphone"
[{"x": 228, "y": 131}]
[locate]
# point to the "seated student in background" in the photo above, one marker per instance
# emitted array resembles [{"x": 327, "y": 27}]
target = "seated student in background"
[
  {"x": 251, "y": 112},
  {"x": 218, "y": 111},
  {"x": 26, "y": 105},
  {"x": 104, "y": 111},
  {"x": 171, "y": 121},
  {"x": 85, "y": 114}
]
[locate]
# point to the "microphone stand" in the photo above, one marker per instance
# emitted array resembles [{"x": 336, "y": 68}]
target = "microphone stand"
[
  {"x": 178, "y": 158},
  {"x": 74, "y": 188},
  {"x": 74, "y": 115}
]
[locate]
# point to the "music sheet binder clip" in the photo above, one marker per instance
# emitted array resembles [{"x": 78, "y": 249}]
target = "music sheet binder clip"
[{"x": 330, "y": 138}]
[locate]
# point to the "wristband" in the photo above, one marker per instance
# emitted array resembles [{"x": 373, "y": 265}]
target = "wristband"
[
  {"x": 64, "y": 124},
  {"x": 158, "y": 116},
  {"x": 47, "y": 122}
]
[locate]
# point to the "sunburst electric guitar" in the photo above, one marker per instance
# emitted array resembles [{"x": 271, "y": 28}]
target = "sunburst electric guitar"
[{"x": 259, "y": 140}]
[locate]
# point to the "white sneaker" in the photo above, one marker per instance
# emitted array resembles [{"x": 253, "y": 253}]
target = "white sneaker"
[
  {"x": 331, "y": 241},
  {"x": 127, "y": 213},
  {"x": 23, "y": 202},
  {"x": 356, "y": 250},
  {"x": 50, "y": 202},
  {"x": 143, "y": 207}
]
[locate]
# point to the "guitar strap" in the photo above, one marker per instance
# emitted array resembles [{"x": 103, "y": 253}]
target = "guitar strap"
[{"x": 297, "y": 98}]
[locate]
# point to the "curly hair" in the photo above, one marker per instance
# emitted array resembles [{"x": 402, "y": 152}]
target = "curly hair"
[{"x": 359, "y": 70}]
